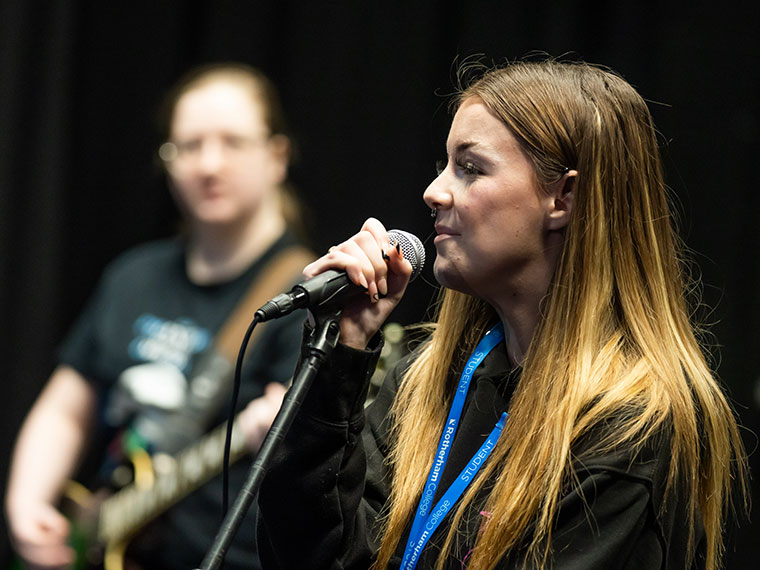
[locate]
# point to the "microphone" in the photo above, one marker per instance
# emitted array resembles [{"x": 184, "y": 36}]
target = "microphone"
[{"x": 333, "y": 287}]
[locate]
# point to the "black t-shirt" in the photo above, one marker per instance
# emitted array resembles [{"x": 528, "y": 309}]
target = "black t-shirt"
[{"x": 146, "y": 317}]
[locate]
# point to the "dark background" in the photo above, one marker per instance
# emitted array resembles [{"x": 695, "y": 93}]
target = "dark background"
[{"x": 363, "y": 83}]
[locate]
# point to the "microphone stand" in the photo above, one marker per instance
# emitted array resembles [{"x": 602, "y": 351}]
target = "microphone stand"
[{"x": 320, "y": 344}]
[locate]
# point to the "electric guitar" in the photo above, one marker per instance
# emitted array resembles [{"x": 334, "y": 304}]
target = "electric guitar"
[{"x": 103, "y": 528}]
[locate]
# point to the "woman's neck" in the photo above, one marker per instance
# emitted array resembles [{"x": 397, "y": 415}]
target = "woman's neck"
[
  {"x": 219, "y": 253},
  {"x": 519, "y": 326},
  {"x": 518, "y": 305}
]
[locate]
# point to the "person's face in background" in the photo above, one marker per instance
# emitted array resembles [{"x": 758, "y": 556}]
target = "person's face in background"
[
  {"x": 226, "y": 163},
  {"x": 491, "y": 212}
]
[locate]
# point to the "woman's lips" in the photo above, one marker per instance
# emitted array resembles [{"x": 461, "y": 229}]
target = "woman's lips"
[{"x": 444, "y": 232}]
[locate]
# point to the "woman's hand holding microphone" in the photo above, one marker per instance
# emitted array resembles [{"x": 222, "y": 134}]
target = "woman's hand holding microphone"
[{"x": 373, "y": 263}]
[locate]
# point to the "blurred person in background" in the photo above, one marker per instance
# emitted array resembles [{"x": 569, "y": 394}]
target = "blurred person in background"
[{"x": 148, "y": 364}]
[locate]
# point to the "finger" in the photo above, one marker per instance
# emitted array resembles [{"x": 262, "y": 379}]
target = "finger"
[
  {"x": 378, "y": 231},
  {"x": 368, "y": 262},
  {"x": 50, "y": 557},
  {"x": 368, "y": 267},
  {"x": 54, "y": 523},
  {"x": 400, "y": 270},
  {"x": 337, "y": 259},
  {"x": 373, "y": 249},
  {"x": 392, "y": 252},
  {"x": 274, "y": 391},
  {"x": 399, "y": 262},
  {"x": 249, "y": 423},
  {"x": 42, "y": 554},
  {"x": 361, "y": 257}
]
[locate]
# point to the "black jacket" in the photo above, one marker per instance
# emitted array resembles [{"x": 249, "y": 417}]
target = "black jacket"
[{"x": 320, "y": 501}]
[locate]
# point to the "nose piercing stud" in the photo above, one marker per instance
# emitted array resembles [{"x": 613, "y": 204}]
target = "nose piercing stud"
[{"x": 433, "y": 212}]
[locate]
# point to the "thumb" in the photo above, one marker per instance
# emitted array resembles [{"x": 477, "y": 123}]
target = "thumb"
[{"x": 53, "y": 521}]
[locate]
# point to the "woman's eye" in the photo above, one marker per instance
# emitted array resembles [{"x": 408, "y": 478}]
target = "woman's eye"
[
  {"x": 440, "y": 166},
  {"x": 235, "y": 143},
  {"x": 468, "y": 168},
  {"x": 188, "y": 147}
]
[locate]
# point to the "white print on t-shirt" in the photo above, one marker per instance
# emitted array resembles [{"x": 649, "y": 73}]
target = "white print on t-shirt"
[{"x": 172, "y": 342}]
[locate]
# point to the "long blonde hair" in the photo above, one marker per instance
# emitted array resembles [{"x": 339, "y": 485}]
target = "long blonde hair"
[{"x": 615, "y": 340}]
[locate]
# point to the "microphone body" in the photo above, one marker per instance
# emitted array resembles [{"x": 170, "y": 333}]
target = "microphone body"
[{"x": 333, "y": 287}]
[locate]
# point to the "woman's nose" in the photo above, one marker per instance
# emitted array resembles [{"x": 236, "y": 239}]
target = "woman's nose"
[
  {"x": 438, "y": 195},
  {"x": 212, "y": 156}
]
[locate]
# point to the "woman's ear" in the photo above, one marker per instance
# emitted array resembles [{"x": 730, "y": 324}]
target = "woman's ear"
[
  {"x": 561, "y": 194},
  {"x": 280, "y": 145}
]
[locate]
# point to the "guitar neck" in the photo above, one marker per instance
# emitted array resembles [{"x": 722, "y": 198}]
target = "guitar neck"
[{"x": 127, "y": 511}]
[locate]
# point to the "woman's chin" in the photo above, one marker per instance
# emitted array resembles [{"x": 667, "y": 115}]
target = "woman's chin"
[
  {"x": 214, "y": 215},
  {"x": 447, "y": 276}
]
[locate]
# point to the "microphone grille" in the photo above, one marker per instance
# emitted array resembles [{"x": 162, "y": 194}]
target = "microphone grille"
[{"x": 412, "y": 248}]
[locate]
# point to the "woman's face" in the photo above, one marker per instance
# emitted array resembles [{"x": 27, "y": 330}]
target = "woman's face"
[
  {"x": 492, "y": 216},
  {"x": 226, "y": 163}
]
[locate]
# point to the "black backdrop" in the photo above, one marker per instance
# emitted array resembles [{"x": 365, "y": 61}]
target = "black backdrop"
[{"x": 363, "y": 83}]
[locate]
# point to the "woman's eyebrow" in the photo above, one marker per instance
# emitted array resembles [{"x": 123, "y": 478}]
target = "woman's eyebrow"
[
  {"x": 464, "y": 145},
  {"x": 484, "y": 151}
]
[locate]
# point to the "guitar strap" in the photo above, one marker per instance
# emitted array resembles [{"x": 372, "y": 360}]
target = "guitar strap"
[
  {"x": 212, "y": 374},
  {"x": 273, "y": 279}
]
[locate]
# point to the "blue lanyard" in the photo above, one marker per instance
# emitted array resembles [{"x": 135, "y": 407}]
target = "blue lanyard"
[{"x": 427, "y": 520}]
